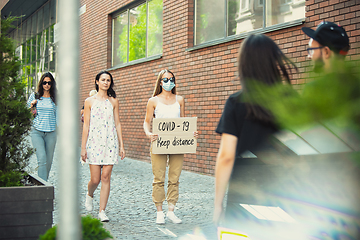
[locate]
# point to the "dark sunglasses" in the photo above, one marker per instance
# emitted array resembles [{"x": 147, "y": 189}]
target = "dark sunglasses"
[
  {"x": 165, "y": 80},
  {"x": 44, "y": 83}
]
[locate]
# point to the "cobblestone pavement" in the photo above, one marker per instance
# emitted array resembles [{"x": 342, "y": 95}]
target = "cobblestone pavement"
[{"x": 131, "y": 210}]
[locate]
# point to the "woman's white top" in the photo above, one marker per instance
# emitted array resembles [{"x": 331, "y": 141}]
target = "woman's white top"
[{"x": 167, "y": 111}]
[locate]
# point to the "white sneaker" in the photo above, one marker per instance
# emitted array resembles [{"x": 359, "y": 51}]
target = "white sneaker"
[
  {"x": 88, "y": 203},
  {"x": 171, "y": 215},
  {"x": 160, "y": 217},
  {"x": 102, "y": 216}
]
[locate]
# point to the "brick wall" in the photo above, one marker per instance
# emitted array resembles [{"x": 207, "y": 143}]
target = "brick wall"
[{"x": 205, "y": 77}]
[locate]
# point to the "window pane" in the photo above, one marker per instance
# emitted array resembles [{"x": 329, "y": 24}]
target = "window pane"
[
  {"x": 51, "y": 34},
  {"x": 23, "y": 54},
  {"x": 210, "y": 20},
  {"x": 17, "y": 35},
  {"x": 28, "y": 29},
  {"x": 52, "y": 12},
  {"x": 33, "y": 25},
  {"x": 32, "y": 83},
  {"x": 155, "y": 26},
  {"x": 38, "y": 46},
  {"x": 46, "y": 63},
  {"x": 46, "y": 15},
  {"x": 46, "y": 44},
  {"x": 27, "y": 57},
  {"x": 23, "y": 31},
  {"x": 120, "y": 39},
  {"x": 29, "y": 69},
  {"x": 43, "y": 44},
  {"x": 52, "y": 63},
  {"x": 137, "y": 35},
  {"x": 250, "y": 16},
  {"x": 40, "y": 20},
  {"x": 33, "y": 49},
  {"x": 38, "y": 67},
  {"x": 284, "y": 11},
  {"x": 233, "y": 13},
  {"x": 33, "y": 68},
  {"x": 23, "y": 74}
]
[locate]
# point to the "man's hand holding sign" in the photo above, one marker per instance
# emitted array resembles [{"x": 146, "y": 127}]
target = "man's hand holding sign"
[{"x": 175, "y": 135}]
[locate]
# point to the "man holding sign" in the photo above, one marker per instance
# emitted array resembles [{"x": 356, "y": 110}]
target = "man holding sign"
[{"x": 170, "y": 139}]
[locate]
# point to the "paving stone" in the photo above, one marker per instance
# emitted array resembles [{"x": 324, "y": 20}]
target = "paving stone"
[{"x": 131, "y": 210}]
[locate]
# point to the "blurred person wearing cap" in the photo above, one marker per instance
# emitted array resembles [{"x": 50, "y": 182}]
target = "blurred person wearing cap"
[{"x": 328, "y": 42}]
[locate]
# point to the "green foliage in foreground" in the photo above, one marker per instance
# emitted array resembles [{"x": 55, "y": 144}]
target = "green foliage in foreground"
[
  {"x": 92, "y": 229},
  {"x": 331, "y": 100},
  {"x": 330, "y": 96}
]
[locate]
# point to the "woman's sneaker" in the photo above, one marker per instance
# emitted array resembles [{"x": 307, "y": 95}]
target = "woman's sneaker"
[
  {"x": 103, "y": 217},
  {"x": 160, "y": 217},
  {"x": 171, "y": 215},
  {"x": 88, "y": 203}
]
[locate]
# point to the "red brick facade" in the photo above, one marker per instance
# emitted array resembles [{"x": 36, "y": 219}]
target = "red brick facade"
[{"x": 205, "y": 76}]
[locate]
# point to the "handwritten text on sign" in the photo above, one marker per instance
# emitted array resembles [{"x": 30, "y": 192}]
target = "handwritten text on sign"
[{"x": 175, "y": 135}]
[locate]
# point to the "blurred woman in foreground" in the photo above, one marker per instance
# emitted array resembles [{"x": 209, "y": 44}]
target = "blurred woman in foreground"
[{"x": 243, "y": 125}]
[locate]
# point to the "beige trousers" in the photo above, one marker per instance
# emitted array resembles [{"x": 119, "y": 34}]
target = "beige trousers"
[{"x": 158, "y": 162}]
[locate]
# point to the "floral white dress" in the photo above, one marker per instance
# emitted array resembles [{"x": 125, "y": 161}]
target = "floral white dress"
[{"x": 102, "y": 146}]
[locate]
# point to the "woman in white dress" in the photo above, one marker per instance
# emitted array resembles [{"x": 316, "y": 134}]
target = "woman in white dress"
[{"x": 101, "y": 139}]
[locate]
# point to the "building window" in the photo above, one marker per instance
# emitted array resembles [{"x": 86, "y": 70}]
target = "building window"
[
  {"x": 137, "y": 32},
  {"x": 217, "y": 19},
  {"x": 36, "y": 50}
]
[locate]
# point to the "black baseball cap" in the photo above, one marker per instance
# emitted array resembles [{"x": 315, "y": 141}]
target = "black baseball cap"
[{"x": 331, "y": 35}]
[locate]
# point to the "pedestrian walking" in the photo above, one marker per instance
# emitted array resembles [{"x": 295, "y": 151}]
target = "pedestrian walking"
[
  {"x": 328, "y": 44},
  {"x": 165, "y": 103},
  {"x": 43, "y": 130},
  {"x": 91, "y": 93},
  {"x": 101, "y": 140},
  {"x": 245, "y": 126}
]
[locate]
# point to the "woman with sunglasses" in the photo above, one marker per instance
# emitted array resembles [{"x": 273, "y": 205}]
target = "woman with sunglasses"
[
  {"x": 43, "y": 131},
  {"x": 165, "y": 104},
  {"x": 101, "y": 140}
]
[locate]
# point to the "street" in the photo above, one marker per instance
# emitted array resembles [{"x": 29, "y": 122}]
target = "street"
[{"x": 131, "y": 210}]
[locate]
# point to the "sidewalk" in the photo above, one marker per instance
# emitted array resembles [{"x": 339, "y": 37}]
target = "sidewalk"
[{"x": 131, "y": 210}]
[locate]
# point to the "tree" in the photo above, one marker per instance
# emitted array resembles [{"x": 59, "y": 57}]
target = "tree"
[{"x": 15, "y": 117}]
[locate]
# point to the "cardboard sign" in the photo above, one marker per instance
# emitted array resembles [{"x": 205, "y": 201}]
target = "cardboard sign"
[{"x": 175, "y": 135}]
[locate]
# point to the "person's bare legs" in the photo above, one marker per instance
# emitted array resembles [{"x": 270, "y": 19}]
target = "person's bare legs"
[
  {"x": 105, "y": 186},
  {"x": 95, "y": 174}
]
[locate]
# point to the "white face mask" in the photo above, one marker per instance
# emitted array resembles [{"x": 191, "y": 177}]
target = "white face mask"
[{"x": 168, "y": 86}]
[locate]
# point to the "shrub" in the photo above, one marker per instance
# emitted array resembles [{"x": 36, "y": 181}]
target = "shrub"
[
  {"x": 92, "y": 229},
  {"x": 11, "y": 179},
  {"x": 15, "y": 117}
]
